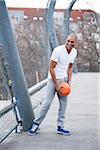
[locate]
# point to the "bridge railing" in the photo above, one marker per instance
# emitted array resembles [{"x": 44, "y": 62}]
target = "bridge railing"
[{"x": 9, "y": 116}]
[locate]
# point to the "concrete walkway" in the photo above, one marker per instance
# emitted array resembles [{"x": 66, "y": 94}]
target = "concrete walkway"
[{"x": 82, "y": 119}]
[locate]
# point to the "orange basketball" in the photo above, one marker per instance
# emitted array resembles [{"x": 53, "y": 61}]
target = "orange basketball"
[{"x": 64, "y": 88}]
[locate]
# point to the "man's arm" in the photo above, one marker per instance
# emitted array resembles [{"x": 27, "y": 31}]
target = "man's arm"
[
  {"x": 69, "y": 72},
  {"x": 52, "y": 72}
]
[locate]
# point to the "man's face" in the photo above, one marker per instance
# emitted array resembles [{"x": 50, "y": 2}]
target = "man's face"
[{"x": 70, "y": 43}]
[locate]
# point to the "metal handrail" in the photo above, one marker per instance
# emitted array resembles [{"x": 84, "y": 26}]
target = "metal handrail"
[
  {"x": 37, "y": 87},
  {"x": 31, "y": 90},
  {"x": 6, "y": 110}
]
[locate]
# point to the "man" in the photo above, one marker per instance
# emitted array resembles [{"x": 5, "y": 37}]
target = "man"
[{"x": 61, "y": 63}]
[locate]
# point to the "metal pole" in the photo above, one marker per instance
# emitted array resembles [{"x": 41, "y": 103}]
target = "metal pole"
[
  {"x": 67, "y": 18},
  {"x": 67, "y": 29},
  {"x": 15, "y": 69},
  {"x": 51, "y": 35},
  {"x": 50, "y": 24}
]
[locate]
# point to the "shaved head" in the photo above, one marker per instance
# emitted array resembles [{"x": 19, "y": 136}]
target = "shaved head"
[
  {"x": 72, "y": 36},
  {"x": 70, "y": 42}
]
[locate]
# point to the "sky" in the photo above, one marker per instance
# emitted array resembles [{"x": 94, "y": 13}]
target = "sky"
[{"x": 60, "y": 4}]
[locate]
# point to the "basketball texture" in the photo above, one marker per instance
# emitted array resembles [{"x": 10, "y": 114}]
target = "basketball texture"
[{"x": 65, "y": 88}]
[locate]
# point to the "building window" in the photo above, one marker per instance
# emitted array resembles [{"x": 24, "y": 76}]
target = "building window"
[
  {"x": 41, "y": 18},
  {"x": 35, "y": 18}
]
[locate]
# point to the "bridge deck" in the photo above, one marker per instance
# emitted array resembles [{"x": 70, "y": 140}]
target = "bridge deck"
[{"x": 82, "y": 119}]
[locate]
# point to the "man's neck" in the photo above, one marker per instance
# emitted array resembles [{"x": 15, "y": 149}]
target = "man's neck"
[{"x": 68, "y": 50}]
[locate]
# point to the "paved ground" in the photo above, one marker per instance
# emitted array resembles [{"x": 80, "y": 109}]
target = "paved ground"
[{"x": 82, "y": 119}]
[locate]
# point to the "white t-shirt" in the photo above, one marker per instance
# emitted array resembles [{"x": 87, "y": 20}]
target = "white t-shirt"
[{"x": 63, "y": 60}]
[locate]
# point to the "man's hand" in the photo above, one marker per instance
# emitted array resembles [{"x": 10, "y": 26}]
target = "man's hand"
[
  {"x": 69, "y": 82},
  {"x": 57, "y": 87}
]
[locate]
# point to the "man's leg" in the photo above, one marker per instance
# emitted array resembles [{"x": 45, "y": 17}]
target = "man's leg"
[
  {"x": 47, "y": 102},
  {"x": 61, "y": 116},
  {"x": 45, "y": 106},
  {"x": 62, "y": 110}
]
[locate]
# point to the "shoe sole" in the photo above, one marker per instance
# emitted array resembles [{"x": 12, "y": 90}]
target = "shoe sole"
[
  {"x": 32, "y": 134},
  {"x": 58, "y": 132}
]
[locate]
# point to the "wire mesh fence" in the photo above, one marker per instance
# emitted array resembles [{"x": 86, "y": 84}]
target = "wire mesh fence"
[{"x": 7, "y": 122}]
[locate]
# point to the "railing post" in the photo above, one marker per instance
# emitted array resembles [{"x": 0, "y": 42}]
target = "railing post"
[{"x": 15, "y": 69}]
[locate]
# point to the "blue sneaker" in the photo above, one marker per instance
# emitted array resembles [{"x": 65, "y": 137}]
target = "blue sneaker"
[
  {"x": 62, "y": 131},
  {"x": 34, "y": 129}
]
